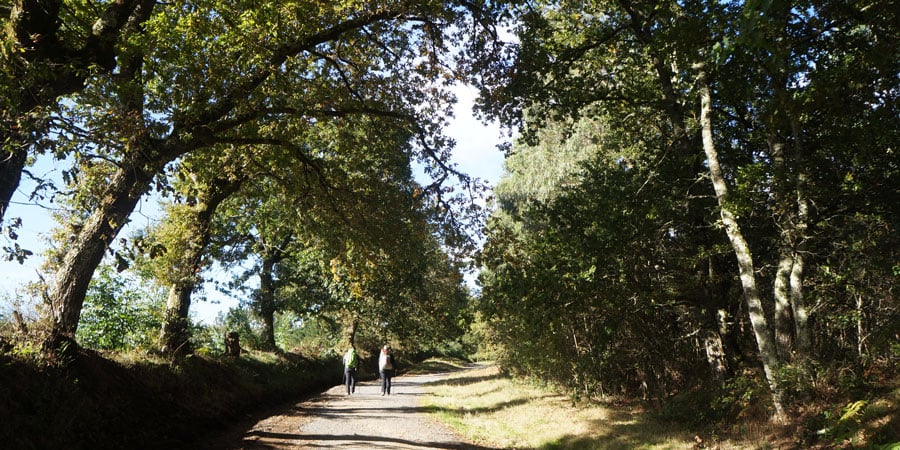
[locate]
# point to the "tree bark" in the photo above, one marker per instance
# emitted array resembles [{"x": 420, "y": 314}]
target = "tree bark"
[
  {"x": 715, "y": 355},
  {"x": 860, "y": 327},
  {"x": 803, "y": 341},
  {"x": 175, "y": 334},
  {"x": 783, "y": 311},
  {"x": 767, "y": 350},
  {"x": 266, "y": 304},
  {"x": 783, "y": 316},
  {"x": 86, "y": 251},
  {"x": 12, "y": 162},
  {"x": 232, "y": 344},
  {"x": 176, "y": 330}
]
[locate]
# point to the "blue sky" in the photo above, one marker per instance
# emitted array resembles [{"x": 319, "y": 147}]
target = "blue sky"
[{"x": 476, "y": 153}]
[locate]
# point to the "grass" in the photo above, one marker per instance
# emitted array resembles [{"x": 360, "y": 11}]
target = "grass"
[{"x": 495, "y": 411}]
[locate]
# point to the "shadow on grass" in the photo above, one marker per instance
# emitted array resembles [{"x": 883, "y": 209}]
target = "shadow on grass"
[
  {"x": 435, "y": 366},
  {"x": 482, "y": 410},
  {"x": 624, "y": 431},
  {"x": 465, "y": 381},
  {"x": 618, "y": 429}
]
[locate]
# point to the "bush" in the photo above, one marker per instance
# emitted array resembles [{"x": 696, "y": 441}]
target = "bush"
[{"x": 119, "y": 316}]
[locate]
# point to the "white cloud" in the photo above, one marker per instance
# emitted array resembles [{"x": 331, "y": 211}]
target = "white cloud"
[{"x": 476, "y": 150}]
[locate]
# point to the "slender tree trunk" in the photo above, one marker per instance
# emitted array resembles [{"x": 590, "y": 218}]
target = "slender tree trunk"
[
  {"x": 783, "y": 311},
  {"x": 767, "y": 350},
  {"x": 175, "y": 334},
  {"x": 803, "y": 341},
  {"x": 783, "y": 316},
  {"x": 860, "y": 327},
  {"x": 798, "y": 303},
  {"x": 266, "y": 304},
  {"x": 791, "y": 316}
]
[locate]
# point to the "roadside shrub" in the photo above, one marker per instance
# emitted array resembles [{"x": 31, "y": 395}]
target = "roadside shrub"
[{"x": 120, "y": 314}]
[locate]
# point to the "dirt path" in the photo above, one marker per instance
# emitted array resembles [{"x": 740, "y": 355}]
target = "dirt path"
[{"x": 364, "y": 420}]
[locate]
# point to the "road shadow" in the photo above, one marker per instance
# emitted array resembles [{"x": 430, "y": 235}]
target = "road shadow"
[{"x": 259, "y": 438}]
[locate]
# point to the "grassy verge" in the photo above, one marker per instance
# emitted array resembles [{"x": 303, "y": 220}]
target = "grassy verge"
[{"x": 495, "y": 411}]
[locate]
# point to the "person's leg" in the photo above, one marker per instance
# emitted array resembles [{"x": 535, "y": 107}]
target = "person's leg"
[
  {"x": 348, "y": 377},
  {"x": 388, "y": 374},
  {"x": 353, "y": 381},
  {"x": 383, "y": 381}
]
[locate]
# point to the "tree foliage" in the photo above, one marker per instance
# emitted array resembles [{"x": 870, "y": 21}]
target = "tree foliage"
[
  {"x": 624, "y": 271},
  {"x": 267, "y": 81},
  {"x": 120, "y": 313}
]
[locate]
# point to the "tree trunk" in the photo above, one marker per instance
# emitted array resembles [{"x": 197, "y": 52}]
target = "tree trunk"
[
  {"x": 12, "y": 162},
  {"x": 860, "y": 327},
  {"x": 783, "y": 316},
  {"x": 266, "y": 306},
  {"x": 176, "y": 330},
  {"x": 783, "y": 311},
  {"x": 86, "y": 251},
  {"x": 792, "y": 334},
  {"x": 175, "y": 335},
  {"x": 232, "y": 344},
  {"x": 271, "y": 254},
  {"x": 798, "y": 303},
  {"x": 767, "y": 350},
  {"x": 803, "y": 341},
  {"x": 715, "y": 354}
]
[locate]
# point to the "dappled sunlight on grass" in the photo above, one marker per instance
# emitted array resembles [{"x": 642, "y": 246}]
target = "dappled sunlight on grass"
[{"x": 492, "y": 410}]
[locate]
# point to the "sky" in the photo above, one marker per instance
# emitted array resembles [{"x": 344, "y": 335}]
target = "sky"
[{"x": 476, "y": 154}]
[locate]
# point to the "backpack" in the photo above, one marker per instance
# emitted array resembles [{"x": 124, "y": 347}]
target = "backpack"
[{"x": 351, "y": 362}]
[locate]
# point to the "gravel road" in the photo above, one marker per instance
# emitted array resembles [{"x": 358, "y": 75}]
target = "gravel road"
[{"x": 364, "y": 420}]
